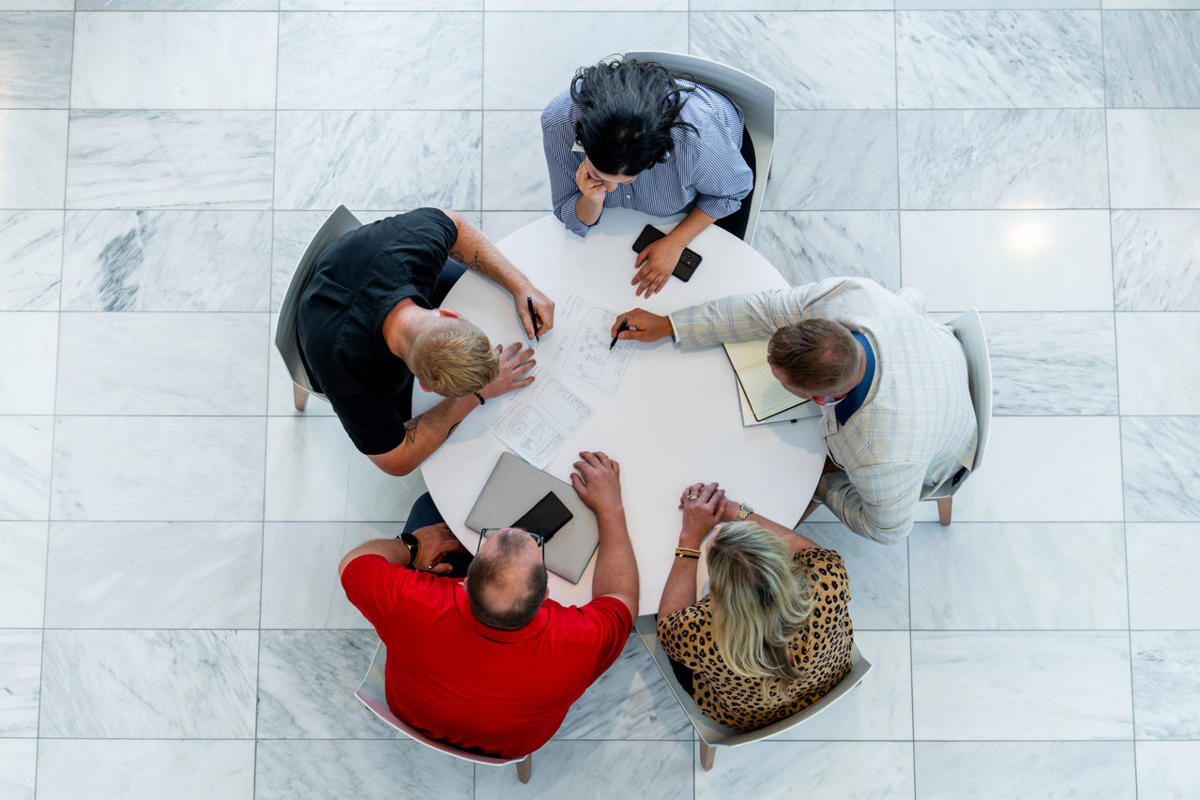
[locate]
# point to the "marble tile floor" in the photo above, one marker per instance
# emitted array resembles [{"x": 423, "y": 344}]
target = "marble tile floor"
[{"x": 170, "y": 619}]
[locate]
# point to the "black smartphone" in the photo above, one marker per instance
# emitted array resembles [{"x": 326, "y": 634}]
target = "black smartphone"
[
  {"x": 546, "y": 518},
  {"x": 460, "y": 561},
  {"x": 689, "y": 259}
]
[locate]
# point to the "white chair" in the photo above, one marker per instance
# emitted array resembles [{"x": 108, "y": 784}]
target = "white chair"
[
  {"x": 756, "y": 100},
  {"x": 713, "y": 734},
  {"x": 968, "y": 328},
  {"x": 287, "y": 339},
  {"x": 371, "y": 693}
]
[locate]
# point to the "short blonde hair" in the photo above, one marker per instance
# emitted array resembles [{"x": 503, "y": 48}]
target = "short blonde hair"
[{"x": 453, "y": 357}]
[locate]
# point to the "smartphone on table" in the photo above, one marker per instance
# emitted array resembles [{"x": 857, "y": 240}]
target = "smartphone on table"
[{"x": 689, "y": 259}]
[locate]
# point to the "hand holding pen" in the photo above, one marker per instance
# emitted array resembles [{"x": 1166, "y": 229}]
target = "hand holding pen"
[{"x": 535, "y": 310}]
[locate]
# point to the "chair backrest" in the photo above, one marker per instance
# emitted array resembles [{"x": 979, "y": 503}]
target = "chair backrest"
[
  {"x": 968, "y": 328},
  {"x": 756, "y": 100},
  {"x": 287, "y": 338},
  {"x": 714, "y": 733},
  {"x": 372, "y": 694}
]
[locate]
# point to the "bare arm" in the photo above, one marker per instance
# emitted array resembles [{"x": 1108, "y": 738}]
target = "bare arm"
[
  {"x": 795, "y": 541},
  {"x": 423, "y": 434},
  {"x": 395, "y": 551},
  {"x": 597, "y": 481}
]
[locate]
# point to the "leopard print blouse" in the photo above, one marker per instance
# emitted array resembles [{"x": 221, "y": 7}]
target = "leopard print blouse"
[{"x": 822, "y": 649}]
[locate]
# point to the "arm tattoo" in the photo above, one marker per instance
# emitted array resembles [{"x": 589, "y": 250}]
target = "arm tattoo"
[
  {"x": 472, "y": 261},
  {"x": 410, "y": 429}
]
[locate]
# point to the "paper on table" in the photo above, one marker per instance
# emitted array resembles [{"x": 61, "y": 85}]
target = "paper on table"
[
  {"x": 538, "y": 420},
  {"x": 766, "y": 394},
  {"x": 581, "y": 350}
]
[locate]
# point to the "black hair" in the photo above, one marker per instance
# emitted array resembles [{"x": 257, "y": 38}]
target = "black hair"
[
  {"x": 485, "y": 571},
  {"x": 628, "y": 110}
]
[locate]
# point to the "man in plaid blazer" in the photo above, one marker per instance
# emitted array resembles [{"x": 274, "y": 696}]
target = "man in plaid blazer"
[{"x": 896, "y": 409}]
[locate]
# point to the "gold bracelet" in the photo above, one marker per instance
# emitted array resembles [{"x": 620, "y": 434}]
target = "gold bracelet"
[{"x": 686, "y": 552}]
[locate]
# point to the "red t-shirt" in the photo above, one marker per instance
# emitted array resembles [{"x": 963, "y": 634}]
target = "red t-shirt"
[{"x": 504, "y": 692}]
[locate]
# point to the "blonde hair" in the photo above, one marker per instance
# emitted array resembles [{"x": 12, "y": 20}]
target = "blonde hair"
[
  {"x": 761, "y": 598},
  {"x": 452, "y": 357}
]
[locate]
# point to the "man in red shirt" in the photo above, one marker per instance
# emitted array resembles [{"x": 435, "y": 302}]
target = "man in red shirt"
[{"x": 491, "y": 663}]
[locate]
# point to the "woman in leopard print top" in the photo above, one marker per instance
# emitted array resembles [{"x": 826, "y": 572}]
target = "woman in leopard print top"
[{"x": 773, "y": 635}]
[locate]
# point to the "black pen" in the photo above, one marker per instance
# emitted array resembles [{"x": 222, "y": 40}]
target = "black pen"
[
  {"x": 534, "y": 319},
  {"x": 624, "y": 327}
]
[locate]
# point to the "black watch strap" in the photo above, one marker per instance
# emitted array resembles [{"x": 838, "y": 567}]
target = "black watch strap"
[{"x": 411, "y": 542}]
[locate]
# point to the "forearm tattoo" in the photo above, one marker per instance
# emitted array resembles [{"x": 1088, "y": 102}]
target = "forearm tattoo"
[
  {"x": 472, "y": 261},
  {"x": 410, "y": 429}
]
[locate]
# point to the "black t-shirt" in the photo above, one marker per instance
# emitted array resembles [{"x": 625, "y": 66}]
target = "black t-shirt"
[{"x": 358, "y": 279}]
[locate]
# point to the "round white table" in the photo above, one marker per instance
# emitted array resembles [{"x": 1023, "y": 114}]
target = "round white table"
[{"x": 675, "y": 419}]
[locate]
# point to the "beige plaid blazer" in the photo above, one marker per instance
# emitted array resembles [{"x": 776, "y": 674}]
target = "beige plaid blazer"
[{"x": 915, "y": 428}]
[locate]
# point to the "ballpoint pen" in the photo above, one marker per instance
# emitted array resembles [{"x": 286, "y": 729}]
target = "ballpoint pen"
[
  {"x": 624, "y": 327},
  {"x": 534, "y": 319}
]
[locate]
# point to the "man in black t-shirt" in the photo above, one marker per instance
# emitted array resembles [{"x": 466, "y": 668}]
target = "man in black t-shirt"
[{"x": 369, "y": 321}]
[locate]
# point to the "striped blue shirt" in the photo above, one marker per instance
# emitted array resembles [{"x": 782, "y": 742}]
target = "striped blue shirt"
[{"x": 704, "y": 168}]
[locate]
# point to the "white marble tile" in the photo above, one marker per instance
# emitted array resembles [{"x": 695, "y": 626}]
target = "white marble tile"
[
  {"x": 878, "y": 576},
  {"x": 810, "y": 245},
  {"x": 414, "y": 60},
  {"x": 1047, "y": 685},
  {"x": 381, "y": 5},
  {"x": 1159, "y": 359},
  {"x": 1006, "y": 770},
  {"x": 167, "y": 260},
  {"x": 1152, "y": 4},
  {"x": 1046, "y": 469},
  {"x": 1163, "y": 560},
  {"x": 993, "y": 4},
  {"x": 182, "y": 770},
  {"x": 315, "y": 770},
  {"x": 1166, "y": 684},
  {"x": 22, "y": 574},
  {"x": 499, "y": 224},
  {"x": 1156, "y": 260},
  {"x": 158, "y": 468},
  {"x": 153, "y": 575},
  {"x": 999, "y": 59},
  {"x": 514, "y": 164},
  {"x": 629, "y": 701},
  {"x": 1154, "y": 158},
  {"x": 25, "y": 466},
  {"x": 174, "y": 60},
  {"x": 153, "y": 684},
  {"x": 1008, "y": 260},
  {"x": 308, "y": 468},
  {"x": 880, "y": 708},
  {"x": 847, "y": 59},
  {"x": 30, "y": 260},
  {"x": 372, "y": 495},
  {"x": 20, "y": 668},
  {"x": 1002, "y": 159},
  {"x": 36, "y": 69},
  {"x": 586, "y": 5},
  {"x": 18, "y": 759},
  {"x": 833, "y": 160},
  {"x": 306, "y": 686},
  {"x": 1052, "y": 363},
  {"x": 176, "y": 5},
  {"x": 596, "y": 770},
  {"x": 1159, "y": 465},
  {"x": 37, "y": 5},
  {"x": 1050, "y": 575},
  {"x": 165, "y": 159},
  {"x": 28, "y": 342},
  {"x": 1150, "y": 58},
  {"x": 35, "y": 162},
  {"x": 530, "y": 58},
  {"x": 377, "y": 159},
  {"x": 791, "y": 5},
  {"x": 180, "y": 363},
  {"x": 781, "y": 770},
  {"x": 1167, "y": 770}
]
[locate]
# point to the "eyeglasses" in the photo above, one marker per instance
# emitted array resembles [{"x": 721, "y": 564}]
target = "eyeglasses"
[{"x": 538, "y": 540}]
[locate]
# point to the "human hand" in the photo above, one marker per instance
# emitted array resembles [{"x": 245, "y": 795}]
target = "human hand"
[
  {"x": 727, "y": 510},
  {"x": 597, "y": 481},
  {"x": 543, "y": 306},
  {"x": 433, "y": 543},
  {"x": 700, "y": 502},
  {"x": 643, "y": 326},
  {"x": 515, "y": 363},
  {"x": 655, "y": 264},
  {"x": 591, "y": 185}
]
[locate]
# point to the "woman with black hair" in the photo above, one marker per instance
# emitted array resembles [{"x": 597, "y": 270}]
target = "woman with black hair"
[{"x": 682, "y": 141}]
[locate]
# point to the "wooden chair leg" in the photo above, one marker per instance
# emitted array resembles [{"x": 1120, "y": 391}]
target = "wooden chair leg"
[
  {"x": 707, "y": 754},
  {"x": 944, "y": 504},
  {"x": 525, "y": 768},
  {"x": 300, "y": 396}
]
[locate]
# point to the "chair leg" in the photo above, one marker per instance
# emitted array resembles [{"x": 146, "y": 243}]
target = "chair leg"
[
  {"x": 944, "y": 504},
  {"x": 707, "y": 754},
  {"x": 525, "y": 768},
  {"x": 300, "y": 396}
]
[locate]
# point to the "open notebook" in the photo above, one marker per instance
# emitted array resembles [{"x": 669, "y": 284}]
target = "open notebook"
[{"x": 766, "y": 395}]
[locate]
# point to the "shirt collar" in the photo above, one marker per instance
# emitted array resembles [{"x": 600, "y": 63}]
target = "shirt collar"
[
  {"x": 463, "y": 604},
  {"x": 854, "y": 400}
]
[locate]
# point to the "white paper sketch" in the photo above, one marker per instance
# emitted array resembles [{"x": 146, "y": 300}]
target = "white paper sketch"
[
  {"x": 539, "y": 419},
  {"x": 582, "y": 354}
]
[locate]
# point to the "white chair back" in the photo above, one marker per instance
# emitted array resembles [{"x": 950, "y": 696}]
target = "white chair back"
[
  {"x": 713, "y": 733},
  {"x": 755, "y": 98},
  {"x": 968, "y": 329}
]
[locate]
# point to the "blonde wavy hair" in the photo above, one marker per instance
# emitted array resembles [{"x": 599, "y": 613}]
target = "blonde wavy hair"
[
  {"x": 761, "y": 598},
  {"x": 453, "y": 357}
]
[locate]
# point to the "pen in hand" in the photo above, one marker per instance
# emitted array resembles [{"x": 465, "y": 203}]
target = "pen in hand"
[
  {"x": 624, "y": 327},
  {"x": 534, "y": 319}
]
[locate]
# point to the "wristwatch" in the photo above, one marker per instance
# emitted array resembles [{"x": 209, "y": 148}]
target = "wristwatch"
[
  {"x": 744, "y": 511},
  {"x": 412, "y": 543}
]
